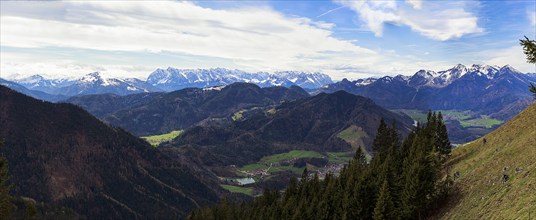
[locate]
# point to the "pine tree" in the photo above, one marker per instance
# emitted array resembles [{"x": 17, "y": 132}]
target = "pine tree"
[
  {"x": 529, "y": 48},
  {"x": 6, "y": 205},
  {"x": 384, "y": 206},
  {"x": 442, "y": 143}
]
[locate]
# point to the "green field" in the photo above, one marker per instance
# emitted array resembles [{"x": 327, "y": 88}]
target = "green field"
[
  {"x": 238, "y": 189},
  {"x": 238, "y": 115},
  {"x": 415, "y": 114},
  {"x": 354, "y": 136},
  {"x": 296, "y": 170},
  {"x": 455, "y": 115},
  {"x": 265, "y": 162},
  {"x": 155, "y": 140},
  {"x": 295, "y": 154},
  {"x": 466, "y": 118},
  {"x": 340, "y": 157},
  {"x": 481, "y": 122}
]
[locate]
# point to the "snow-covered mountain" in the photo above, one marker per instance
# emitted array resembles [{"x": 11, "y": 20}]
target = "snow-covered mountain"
[
  {"x": 172, "y": 79},
  {"x": 428, "y": 78},
  {"x": 481, "y": 88},
  {"x": 40, "y": 83},
  {"x": 94, "y": 83}
]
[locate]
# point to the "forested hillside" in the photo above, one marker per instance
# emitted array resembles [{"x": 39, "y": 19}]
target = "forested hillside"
[{"x": 404, "y": 180}]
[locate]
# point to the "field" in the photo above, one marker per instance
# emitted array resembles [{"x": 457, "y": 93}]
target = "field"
[
  {"x": 483, "y": 192},
  {"x": 466, "y": 118},
  {"x": 271, "y": 163},
  {"x": 455, "y": 115},
  {"x": 155, "y": 140},
  {"x": 238, "y": 189},
  {"x": 415, "y": 114},
  {"x": 481, "y": 122},
  {"x": 238, "y": 115},
  {"x": 339, "y": 157},
  {"x": 295, "y": 154}
]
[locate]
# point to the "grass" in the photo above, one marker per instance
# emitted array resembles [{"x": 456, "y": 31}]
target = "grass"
[
  {"x": 354, "y": 136},
  {"x": 509, "y": 150},
  {"x": 339, "y": 157},
  {"x": 238, "y": 115},
  {"x": 265, "y": 162},
  {"x": 466, "y": 118},
  {"x": 155, "y": 140},
  {"x": 415, "y": 114},
  {"x": 291, "y": 155},
  {"x": 481, "y": 122},
  {"x": 238, "y": 189},
  {"x": 455, "y": 115},
  {"x": 296, "y": 170},
  {"x": 255, "y": 166}
]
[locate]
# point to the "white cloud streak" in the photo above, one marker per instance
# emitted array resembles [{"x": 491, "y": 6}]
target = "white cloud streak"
[
  {"x": 438, "y": 23},
  {"x": 253, "y": 39},
  {"x": 512, "y": 56}
]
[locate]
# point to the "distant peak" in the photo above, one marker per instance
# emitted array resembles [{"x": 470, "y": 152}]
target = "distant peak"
[
  {"x": 94, "y": 74},
  {"x": 460, "y": 66},
  {"x": 508, "y": 68}
]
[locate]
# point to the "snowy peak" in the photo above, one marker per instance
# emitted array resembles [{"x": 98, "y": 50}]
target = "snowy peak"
[
  {"x": 90, "y": 78},
  {"x": 172, "y": 79},
  {"x": 31, "y": 79},
  {"x": 364, "y": 82}
]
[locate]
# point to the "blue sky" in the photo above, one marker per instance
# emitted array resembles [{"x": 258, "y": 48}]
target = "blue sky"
[{"x": 351, "y": 39}]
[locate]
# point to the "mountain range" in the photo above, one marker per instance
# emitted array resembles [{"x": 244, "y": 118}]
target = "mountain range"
[
  {"x": 61, "y": 155},
  {"x": 481, "y": 88},
  {"x": 160, "y": 80},
  {"x": 173, "y": 79},
  {"x": 157, "y": 113}
]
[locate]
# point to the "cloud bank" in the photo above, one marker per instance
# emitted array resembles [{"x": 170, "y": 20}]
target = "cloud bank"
[{"x": 444, "y": 22}]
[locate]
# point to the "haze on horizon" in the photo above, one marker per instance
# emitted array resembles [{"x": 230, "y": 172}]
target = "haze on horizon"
[{"x": 344, "y": 39}]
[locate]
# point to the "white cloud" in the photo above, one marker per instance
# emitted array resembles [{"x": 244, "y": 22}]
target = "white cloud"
[
  {"x": 417, "y": 4},
  {"x": 436, "y": 21},
  {"x": 532, "y": 17},
  {"x": 252, "y": 38},
  {"x": 512, "y": 56}
]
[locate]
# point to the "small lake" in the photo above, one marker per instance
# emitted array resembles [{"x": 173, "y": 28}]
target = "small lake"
[{"x": 244, "y": 181}]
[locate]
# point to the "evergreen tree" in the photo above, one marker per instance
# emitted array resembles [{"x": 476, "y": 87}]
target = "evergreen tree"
[
  {"x": 384, "y": 209},
  {"x": 400, "y": 182},
  {"x": 529, "y": 48},
  {"x": 442, "y": 143},
  {"x": 6, "y": 205}
]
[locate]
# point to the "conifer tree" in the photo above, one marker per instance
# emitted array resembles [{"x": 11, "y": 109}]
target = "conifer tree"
[
  {"x": 6, "y": 205},
  {"x": 384, "y": 209},
  {"x": 529, "y": 48},
  {"x": 442, "y": 143}
]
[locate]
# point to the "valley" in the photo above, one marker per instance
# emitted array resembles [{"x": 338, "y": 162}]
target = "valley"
[
  {"x": 272, "y": 171},
  {"x": 268, "y": 110},
  {"x": 464, "y": 126}
]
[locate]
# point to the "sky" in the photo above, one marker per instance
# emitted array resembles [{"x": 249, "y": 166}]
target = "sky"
[{"x": 344, "y": 39}]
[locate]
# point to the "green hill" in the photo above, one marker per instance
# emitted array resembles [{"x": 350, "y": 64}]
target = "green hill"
[{"x": 497, "y": 173}]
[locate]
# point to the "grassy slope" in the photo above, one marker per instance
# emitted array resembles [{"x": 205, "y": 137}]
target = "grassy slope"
[
  {"x": 238, "y": 189},
  {"x": 265, "y": 162},
  {"x": 482, "y": 193},
  {"x": 354, "y": 135},
  {"x": 291, "y": 155},
  {"x": 157, "y": 139}
]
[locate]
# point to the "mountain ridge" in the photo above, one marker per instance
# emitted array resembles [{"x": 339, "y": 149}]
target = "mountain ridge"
[{"x": 62, "y": 155}]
